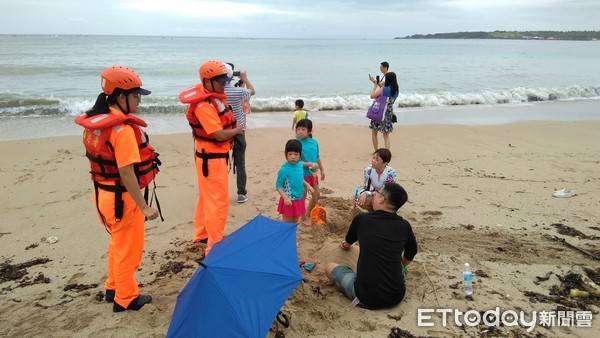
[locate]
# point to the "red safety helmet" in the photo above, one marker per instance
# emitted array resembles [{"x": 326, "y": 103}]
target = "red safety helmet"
[
  {"x": 123, "y": 78},
  {"x": 214, "y": 70}
]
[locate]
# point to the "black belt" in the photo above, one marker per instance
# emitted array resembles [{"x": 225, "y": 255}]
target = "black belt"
[
  {"x": 119, "y": 204},
  {"x": 118, "y": 190},
  {"x": 205, "y": 157}
]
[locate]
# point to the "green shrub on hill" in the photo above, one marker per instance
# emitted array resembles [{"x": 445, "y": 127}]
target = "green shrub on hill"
[{"x": 514, "y": 35}]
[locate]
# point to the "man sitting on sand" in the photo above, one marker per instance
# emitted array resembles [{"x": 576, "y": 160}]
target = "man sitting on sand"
[{"x": 387, "y": 245}]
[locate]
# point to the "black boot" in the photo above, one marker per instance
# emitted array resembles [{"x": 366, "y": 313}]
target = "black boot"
[
  {"x": 135, "y": 305},
  {"x": 110, "y": 296}
]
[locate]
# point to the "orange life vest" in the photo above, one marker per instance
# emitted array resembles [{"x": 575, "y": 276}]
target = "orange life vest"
[
  {"x": 195, "y": 95},
  {"x": 100, "y": 152}
]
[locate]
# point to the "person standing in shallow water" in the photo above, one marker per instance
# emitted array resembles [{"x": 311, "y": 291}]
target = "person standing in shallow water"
[
  {"x": 122, "y": 162},
  {"x": 385, "y": 127}
]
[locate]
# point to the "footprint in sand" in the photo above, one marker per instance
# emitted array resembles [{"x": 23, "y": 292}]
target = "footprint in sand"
[
  {"x": 430, "y": 216},
  {"x": 24, "y": 177},
  {"x": 75, "y": 278},
  {"x": 326, "y": 191},
  {"x": 78, "y": 194}
]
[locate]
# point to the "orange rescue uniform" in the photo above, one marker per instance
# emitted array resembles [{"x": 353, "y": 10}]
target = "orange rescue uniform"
[
  {"x": 212, "y": 205},
  {"x": 126, "y": 244}
]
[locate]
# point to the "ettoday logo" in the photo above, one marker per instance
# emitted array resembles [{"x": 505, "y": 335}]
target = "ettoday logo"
[{"x": 497, "y": 317}]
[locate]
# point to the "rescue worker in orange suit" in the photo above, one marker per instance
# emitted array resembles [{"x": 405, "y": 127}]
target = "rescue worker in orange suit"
[
  {"x": 122, "y": 163},
  {"x": 213, "y": 128}
]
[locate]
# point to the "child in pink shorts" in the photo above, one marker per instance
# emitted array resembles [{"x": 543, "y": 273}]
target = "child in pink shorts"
[{"x": 290, "y": 184}]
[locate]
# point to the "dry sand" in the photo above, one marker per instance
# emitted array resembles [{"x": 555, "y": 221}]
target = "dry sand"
[{"x": 477, "y": 194}]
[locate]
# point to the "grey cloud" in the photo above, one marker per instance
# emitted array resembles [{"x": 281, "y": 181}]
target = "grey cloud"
[{"x": 305, "y": 19}]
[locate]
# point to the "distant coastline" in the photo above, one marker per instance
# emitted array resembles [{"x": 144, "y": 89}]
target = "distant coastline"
[{"x": 513, "y": 35}]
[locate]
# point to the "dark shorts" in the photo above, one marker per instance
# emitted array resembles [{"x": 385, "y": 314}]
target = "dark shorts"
[{"x": 343, "y": 277}]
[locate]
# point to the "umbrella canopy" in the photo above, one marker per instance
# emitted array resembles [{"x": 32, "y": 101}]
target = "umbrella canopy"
[{"x": 241, "y": 284}]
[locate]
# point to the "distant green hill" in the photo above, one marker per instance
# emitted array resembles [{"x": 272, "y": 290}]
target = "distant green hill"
[{"x": 514, "y": 35}]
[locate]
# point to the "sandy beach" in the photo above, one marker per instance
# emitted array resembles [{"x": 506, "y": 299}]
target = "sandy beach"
[{"x": 477, "y": 194}]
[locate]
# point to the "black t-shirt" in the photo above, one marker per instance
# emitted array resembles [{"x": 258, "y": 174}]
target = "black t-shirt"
[{"x": 383, "y": 237}]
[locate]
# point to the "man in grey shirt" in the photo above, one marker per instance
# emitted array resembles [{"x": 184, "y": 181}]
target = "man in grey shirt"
[{"x": 235, "y": 95}]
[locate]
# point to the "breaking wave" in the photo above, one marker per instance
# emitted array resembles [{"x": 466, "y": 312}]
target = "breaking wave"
[{"x": 18, "y": 105}]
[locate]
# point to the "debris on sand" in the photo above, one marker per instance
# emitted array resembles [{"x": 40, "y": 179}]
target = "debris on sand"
[
  {"x": 566, "y": 293},
  {"x": 10, "y": 272},
  {"x": 40, "y": 279},
  {"x": 455, "y": 285},
  {"x": 480, "y": 273},
  {"x": 595, "y": 254},
  {"x": 468, "y": 226},
  {"x": 569, "y": 231},
  {"x": 590, "y": 279},
  {"x": 100, "y": 296},
  {"x": 172, "y": 268},
  {"x": 578, "y": 293},
  {"x": 564, "y": 193},
  {"x": 397, "y": 332},
  {"x": 543, "y": 278},
  {"x": 49, "y": 239},
  {"x": 79, "y": 287},
  {"x": 32, "y": 246}
]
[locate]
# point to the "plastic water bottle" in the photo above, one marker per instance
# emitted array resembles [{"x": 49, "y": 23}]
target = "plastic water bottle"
[{"x": 468, "y": 280}]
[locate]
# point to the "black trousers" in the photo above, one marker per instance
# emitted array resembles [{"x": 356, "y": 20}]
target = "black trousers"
[{"x": 239, "y": 161}]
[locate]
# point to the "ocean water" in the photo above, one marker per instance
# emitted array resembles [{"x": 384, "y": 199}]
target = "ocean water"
[{"x": 57, "y": 77}]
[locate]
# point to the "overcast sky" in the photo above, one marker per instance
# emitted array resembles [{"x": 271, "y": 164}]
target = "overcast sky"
[{"x": 293, "y": 18}]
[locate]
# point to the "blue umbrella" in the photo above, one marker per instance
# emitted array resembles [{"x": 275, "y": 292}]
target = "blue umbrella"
[{"x": 241, "y": 284}]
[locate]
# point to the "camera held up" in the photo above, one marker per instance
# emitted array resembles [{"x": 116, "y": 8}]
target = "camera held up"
[{"x": 240, "y": 82}]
